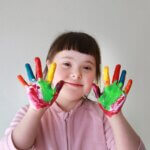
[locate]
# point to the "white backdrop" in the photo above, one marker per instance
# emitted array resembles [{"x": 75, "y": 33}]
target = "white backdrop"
[{"x": 122, "y": 28}]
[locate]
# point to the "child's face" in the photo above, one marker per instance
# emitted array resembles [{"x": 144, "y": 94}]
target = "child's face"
[{"x": 78, "y": 70}]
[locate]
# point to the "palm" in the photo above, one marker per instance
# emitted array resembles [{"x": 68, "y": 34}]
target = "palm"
[
  {"x": 113, "y": 96},
  {"x": 110, "y": 95}
]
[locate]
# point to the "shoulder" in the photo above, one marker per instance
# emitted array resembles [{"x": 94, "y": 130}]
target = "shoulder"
[
  {"x": 20, "y": 113},
  {"x": 93, "y": 107},
  {"x": 23, "y": 109},
  {"x": 17, "y": 118}
]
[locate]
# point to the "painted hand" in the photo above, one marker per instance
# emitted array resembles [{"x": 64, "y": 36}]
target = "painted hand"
[
  {"x": 113, "y": 96},
  {"x": 40, "y": 92}
]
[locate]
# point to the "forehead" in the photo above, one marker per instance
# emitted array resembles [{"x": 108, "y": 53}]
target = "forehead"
[{"x": 74, "y": 56}]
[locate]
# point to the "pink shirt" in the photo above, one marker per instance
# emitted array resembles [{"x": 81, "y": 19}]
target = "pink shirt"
[{"x": 83, "y": 128}]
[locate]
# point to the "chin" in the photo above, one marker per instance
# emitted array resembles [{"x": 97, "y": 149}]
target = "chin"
[{"x": 70, "y": 95}]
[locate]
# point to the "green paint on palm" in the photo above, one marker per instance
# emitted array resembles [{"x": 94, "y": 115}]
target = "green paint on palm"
[
  {"x": 110, "y": 95},
  {"x": 46, "y": 90}
]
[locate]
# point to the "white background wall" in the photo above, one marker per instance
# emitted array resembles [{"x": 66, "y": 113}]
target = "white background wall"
[{"x": 122, "y": 28}]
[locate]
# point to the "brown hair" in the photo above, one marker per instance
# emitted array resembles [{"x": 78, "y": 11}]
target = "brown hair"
[{"x": 77, "y": 41}]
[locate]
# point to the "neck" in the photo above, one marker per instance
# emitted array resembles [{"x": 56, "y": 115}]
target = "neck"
[{"x": 67, "y": 105}]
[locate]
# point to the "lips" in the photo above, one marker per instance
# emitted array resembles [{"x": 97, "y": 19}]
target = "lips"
[{"x": 74, "y": 84}]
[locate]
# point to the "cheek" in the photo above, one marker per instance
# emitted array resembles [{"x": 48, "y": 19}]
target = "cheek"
[
  {"x": 59, "y": 75},
  {"x": 88, "y": 83}
]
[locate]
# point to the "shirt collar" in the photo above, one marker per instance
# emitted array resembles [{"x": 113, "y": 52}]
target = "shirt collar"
[{"x": 57, "y": 108}]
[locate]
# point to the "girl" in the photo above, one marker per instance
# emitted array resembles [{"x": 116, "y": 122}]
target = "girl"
[{"x": 63, "y": 118}]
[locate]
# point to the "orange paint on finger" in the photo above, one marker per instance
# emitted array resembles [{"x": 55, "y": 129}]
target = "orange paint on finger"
[
  {"x": 128, "y": 87},
  {"x": 22, "y": 81}
]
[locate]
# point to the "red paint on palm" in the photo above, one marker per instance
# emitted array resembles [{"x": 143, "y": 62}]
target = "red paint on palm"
[
  {"x": 34, "y": 97},
  {"x": 118, "y": 104}
]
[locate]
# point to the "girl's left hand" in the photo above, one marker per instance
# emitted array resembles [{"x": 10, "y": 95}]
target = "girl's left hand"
[{"x": 113, "y": 96}]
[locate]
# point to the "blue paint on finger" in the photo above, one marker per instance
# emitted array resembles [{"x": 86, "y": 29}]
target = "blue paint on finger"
[
  {"x": 30, "y": 74},
  {"x": 122, "y": 77}
]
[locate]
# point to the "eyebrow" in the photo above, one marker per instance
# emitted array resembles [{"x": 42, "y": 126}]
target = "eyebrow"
[{"x": 69, "y": 57}]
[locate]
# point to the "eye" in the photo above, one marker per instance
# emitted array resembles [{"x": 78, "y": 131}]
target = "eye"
[
  {"x": 87, "y": 68},
  {"x": 66, "y": 64}
]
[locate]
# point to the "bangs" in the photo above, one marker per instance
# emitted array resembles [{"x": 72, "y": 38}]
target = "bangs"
[{"x": 80, "y": 42}]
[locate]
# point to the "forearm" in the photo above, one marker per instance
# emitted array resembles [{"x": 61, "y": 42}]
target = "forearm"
[
  {"x": 125, "y": 137},
  {"x": 24, "y": 134}
]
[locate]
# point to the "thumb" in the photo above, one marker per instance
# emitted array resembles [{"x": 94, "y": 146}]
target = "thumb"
[
  {"x": 59, "y": 85},
  {"x": 96, "y": 90}
]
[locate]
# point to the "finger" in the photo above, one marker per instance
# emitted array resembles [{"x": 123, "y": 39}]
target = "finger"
[
  {"x": 38, "y": 68},
  {"x": 51, "y": 71},
  {"x": 96, "y": 90},
  {"x": 106, "y": 78},
  {"x": 122, "y": 78},
  {"x": 59, "y": 85},
  {"x": 116, "y": 73},
  {"x": 22, "y": 81},
  {"x": 128, "y": 87},
  {"x": 30, "y": 74}
]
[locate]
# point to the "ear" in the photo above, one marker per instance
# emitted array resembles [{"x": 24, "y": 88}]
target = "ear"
[{"x": 47, "y": 63}]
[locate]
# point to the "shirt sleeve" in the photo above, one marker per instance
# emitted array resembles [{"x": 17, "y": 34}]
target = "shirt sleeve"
[
  {"x": 110, "y": 141},
  {"x": 141, "y": 146},
  {"x": 6, "y": 142}
]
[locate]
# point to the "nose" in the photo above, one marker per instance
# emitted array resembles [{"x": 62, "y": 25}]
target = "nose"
[{"x": 76, "y": 75}]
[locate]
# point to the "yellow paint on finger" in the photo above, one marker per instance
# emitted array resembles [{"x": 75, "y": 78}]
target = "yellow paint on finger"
[
  {"x": 106, "y": 78},
  {"x": 51, "y": 71}
]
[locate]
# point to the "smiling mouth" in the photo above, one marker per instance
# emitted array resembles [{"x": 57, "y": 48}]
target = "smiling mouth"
[{"x": 74, "y": 84}]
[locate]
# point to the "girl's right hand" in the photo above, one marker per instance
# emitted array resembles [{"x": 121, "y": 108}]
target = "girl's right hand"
[{"x": 40, "y": 92}]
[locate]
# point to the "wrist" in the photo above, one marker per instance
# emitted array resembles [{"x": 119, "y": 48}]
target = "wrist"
[
  {"x": 115, "y": 117},
  {"x": 37, "y": 112}
]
